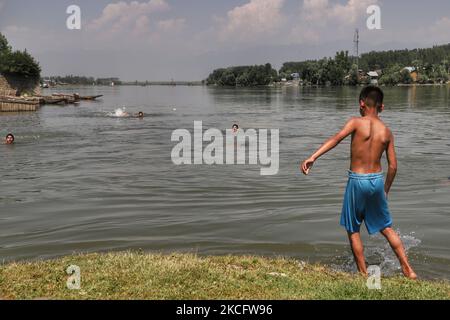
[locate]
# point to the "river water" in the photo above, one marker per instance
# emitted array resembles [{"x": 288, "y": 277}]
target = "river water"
[{"x": 83, "y": 178}]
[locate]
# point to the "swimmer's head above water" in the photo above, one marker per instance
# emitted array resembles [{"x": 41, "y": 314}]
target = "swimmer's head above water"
[
  {"x": 9, "y": 138},
  {"x": 140, "y": 115},
  {"x": 235, "y": 128}
]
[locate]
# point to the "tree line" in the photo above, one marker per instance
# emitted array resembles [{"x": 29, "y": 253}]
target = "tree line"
[
  {"x": 80, "y": 80},
  {"x": 431, "y": 64},
  {"x": 331, "y": 71},
  {"x": 243, "y": 76}
]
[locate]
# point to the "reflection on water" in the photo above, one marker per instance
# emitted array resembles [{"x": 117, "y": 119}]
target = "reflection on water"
[{"x": 85, "y": 178}]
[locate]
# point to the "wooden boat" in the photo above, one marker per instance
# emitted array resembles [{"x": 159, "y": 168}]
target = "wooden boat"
[
  {"x": 54, "y": 100},
  {"x": 90, "y": 98},
  {"x": 69, "y": 98}
]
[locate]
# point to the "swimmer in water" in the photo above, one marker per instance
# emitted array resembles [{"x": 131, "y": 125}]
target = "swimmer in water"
[
  {"x": 140, "y": 115},
  {"x": 446, "y": 182},
  {"x": 235, "y": 128},
  {"x": 9, "y": 139}
]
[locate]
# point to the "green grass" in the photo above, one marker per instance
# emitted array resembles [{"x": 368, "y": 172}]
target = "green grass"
[{"x": 179, "y": 276}]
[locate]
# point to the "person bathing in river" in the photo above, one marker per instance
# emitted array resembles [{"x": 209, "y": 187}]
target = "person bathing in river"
[
  {"x": 9, "y": 139},
  {"x": 366, "y": 194},
  {"x": 235, "y": 128}
]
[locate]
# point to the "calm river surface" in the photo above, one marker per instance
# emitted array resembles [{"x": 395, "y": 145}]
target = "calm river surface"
[{"x": 81, "y": 179}]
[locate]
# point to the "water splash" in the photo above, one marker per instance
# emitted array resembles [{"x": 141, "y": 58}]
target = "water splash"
[
  {"x": 119, "y": 113},
  {"x": 378, "y": 252}
]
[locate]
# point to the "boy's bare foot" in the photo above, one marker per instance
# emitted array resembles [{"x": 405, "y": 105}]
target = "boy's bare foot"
[{"x": 410, "y": 274}]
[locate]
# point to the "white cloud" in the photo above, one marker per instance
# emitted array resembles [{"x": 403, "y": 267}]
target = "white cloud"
[
  {"x": 316, "y": 21},
  {"x": 171, "y": 25},
  {"x": 314, "y": 10},
  {"x": 351, "y": 12},
  {"x": 251, "y": 21},
  {"x": 123, "y": 16},
  {"x": 142, "y": 25},
  {"x": 136, "y": 24},
  {"x": 318, "y": 17},
  {"x": 318, "y": 11}
]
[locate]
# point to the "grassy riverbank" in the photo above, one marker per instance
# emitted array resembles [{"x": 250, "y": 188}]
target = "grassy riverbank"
[{"x": 144, "y": 276}]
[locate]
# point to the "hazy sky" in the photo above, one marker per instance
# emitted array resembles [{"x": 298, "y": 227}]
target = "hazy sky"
[{"x": 186, "y": 39}]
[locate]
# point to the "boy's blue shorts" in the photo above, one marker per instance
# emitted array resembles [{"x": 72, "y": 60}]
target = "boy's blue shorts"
[{"x": 365, "y": 200}]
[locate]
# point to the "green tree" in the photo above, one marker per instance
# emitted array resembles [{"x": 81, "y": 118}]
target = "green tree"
[
  {"x": 353, "y": 78},
  {"x": 423, "y": 78},
  {"x": 243, "y": 80},
  {"x": 4, "y": 45},
  {"x": 243, "y": 76},
  {"x": 21, "y": 64},
  {"x": 440, "y": 73},
  {"x": 391, "y": 75},
  {"x": 228, "y": 79}
]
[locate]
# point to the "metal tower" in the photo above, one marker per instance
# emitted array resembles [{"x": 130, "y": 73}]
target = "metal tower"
[{"x": 356, "y": 48}]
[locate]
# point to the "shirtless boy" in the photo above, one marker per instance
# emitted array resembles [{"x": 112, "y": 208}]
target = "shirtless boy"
[{"x": 366, "y": 194}]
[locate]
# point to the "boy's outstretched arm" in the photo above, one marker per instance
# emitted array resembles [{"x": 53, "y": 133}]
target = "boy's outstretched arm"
[
  {"x": 348, "y": 129},
  {"x": 392, "y": 162}
]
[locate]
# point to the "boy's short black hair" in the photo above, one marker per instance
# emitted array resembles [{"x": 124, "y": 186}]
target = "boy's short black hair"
[
  {"x": 10, "y": 135},
  {"x": 373, "y": 94},
  {"x": 235, "y": 125}
]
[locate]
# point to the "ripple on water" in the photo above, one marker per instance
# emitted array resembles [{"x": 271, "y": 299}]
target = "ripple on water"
[{"x": 378, "y": 252}]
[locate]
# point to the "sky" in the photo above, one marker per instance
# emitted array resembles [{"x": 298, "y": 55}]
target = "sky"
[{"x": 187, "y": 39}]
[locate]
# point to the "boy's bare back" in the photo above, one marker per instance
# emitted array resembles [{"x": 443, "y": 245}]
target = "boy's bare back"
[{"x": 370, "y": 138}]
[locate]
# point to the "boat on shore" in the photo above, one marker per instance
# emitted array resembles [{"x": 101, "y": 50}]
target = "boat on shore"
[
  {"x": 32, "y": 103},
  {"x": 71, "y": 98},
  {"x": 90, "y": 98},
  {"x": 53, "y": 100},
  {"x": 68, "y": 98}
]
